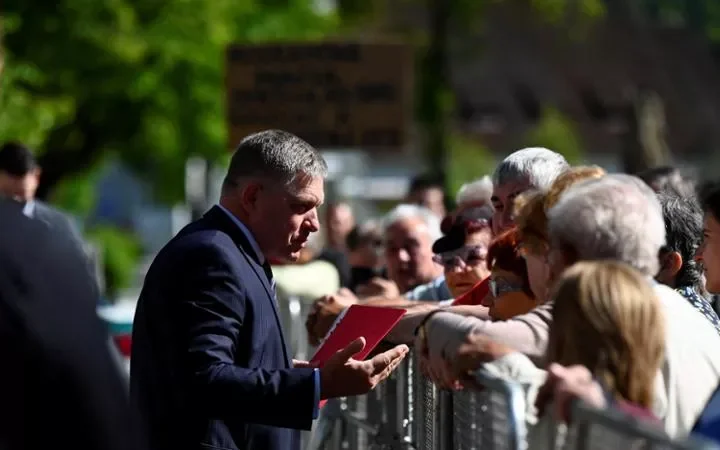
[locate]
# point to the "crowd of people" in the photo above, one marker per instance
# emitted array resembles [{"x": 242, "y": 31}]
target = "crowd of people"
[
  {"x": 576, "y": 283},
  {"x": 573, "y": 282}
]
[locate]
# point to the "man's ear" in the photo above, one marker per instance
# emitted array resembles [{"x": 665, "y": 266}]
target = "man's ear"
[
  {"x": 249, "y": 195},
  {"x": 671, "y": 264}
]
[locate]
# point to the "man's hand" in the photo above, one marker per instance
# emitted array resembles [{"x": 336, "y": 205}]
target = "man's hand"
[
  {"x": 343, "y": 376},
  {"x": 565, "y": 384},
  {"x": 324, "y": 312},
  {"x": 379, "y": 287}
]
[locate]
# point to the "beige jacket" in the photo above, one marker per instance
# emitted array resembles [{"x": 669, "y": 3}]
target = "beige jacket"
[{"x": 688, "y": 376}]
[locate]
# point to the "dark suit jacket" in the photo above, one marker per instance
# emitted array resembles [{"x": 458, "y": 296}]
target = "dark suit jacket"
[
  {"x": 63, "y": 228},
  {"x": 57, "y": 221},
  {"x": 210, "y": 367},
  {"x": 59, "y": 387}
]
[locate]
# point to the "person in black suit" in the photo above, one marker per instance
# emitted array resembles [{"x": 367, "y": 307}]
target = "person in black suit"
[
  {"x": 19, "y": 179},
  {"x": 59, "y": 386},
  {"x": 210, "y": 365}
]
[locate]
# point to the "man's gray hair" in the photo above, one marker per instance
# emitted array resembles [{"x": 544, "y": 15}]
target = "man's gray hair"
[
  {"x": 615, "y": 217},
  {"x": 276, "y": 155},
  {"x": 409, "y": 211},
  {"x": 476, "y": 191},
  {"x": 536, "y": 165}
]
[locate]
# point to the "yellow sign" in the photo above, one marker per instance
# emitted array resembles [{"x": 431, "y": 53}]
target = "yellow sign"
[{"x": 333, "y": 95}]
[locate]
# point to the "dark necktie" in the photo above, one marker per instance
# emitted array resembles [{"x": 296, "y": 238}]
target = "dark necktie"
[{"x": 271, "y": 280}]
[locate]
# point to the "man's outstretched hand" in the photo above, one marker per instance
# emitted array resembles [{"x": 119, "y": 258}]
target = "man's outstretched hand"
[{"x": 343, "y": 376}]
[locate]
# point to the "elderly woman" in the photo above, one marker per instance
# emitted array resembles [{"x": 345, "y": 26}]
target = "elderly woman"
[
  {"x": 463, "y": 252},
  {"x": 678, "y": 267}
]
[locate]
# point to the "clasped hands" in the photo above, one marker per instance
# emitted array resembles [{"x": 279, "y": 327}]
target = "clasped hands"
[
  {"x": 343, "y": 376},
  {"x": 563, "y": 385},
  {"x": 455, "y": 371}
]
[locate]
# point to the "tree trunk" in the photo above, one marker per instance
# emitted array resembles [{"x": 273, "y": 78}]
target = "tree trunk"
[
  {"x": 645, "y": 146},
  {"x": 435, "y": 95}
]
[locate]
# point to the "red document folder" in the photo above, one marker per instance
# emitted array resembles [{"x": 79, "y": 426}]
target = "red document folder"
[
  {"x": 475, "y": 295},
  {"x": 371, "y": 322}
]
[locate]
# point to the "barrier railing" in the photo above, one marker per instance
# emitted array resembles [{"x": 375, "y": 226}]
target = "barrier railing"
[
  {"x": 595, "y": 429},
  {"x": 409, "y": 412}
]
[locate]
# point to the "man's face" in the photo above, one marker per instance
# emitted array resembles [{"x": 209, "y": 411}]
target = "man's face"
[
  {"x": 19, "y": 188},
  {"x": 503, "y": 199},
  {"x": 283, "y": 218},
  {"x": 340, "y": 222},
  {"x": 371, "y": 252},
  {"x": 709, "y": 253},
  {"x": 432, "y": 198},
  {"x": 408, "y": 254}
]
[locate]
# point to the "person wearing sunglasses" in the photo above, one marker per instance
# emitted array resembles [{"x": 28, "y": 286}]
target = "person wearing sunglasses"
[
  {"x": 509, "y": 288},
  {"x": 462, "y": 253}
]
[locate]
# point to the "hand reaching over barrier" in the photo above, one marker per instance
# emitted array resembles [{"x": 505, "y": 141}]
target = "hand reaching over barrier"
[
  {"x": 565, "y": 385},
  {"x": 324, "y": 312}
]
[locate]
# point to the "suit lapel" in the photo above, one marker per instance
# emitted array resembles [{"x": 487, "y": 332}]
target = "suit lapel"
[{"x": 221, "y": 221}]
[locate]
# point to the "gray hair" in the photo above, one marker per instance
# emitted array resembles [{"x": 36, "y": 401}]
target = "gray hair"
[
  {"x": 274, "y": 154},
  {"x": 475, "y": 191},
  {"x": 615, "y": 217},
  {"x": 410, "y": 211},
  {"x": 536, "y": 165},
  {"x": 683, "y": 234}
]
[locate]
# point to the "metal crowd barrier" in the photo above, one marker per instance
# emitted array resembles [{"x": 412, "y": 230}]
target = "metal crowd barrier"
[
  {"x": 493, "y": 418},
  {"x": 595, "y": 429},
  {"x": 409, "y": 412}
]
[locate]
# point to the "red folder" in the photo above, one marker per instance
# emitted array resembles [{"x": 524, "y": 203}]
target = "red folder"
[
  {"x": 371, "y": 322},
  {"x": 475, "y": 295}
]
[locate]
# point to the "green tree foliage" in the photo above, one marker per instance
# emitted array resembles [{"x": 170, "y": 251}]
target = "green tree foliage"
[
  {"x": 468, "y": 160},
  {"x": 142, "y": 79},
  {"x": 139, "y": 80},
  {"x": 119, "y": 254},
  {"x": 556, "y": 132}
]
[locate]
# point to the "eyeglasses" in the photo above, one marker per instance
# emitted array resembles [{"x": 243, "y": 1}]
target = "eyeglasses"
[
  {"x": 468, "y": 255},
  {"x": 501, "y": 286}
]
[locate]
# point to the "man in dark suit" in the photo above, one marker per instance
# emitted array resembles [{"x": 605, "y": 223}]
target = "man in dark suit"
[
  {"x": 210, "y": 365},
  {"x": 19, "y": 179},
  {"x": 59, "y": 386}
]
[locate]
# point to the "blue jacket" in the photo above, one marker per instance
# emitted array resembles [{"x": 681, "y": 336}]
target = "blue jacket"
[{"x": 210, "y": 367}]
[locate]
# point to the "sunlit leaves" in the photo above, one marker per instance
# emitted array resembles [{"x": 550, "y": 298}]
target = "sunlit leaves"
[{"x": 147, "y": 75}]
